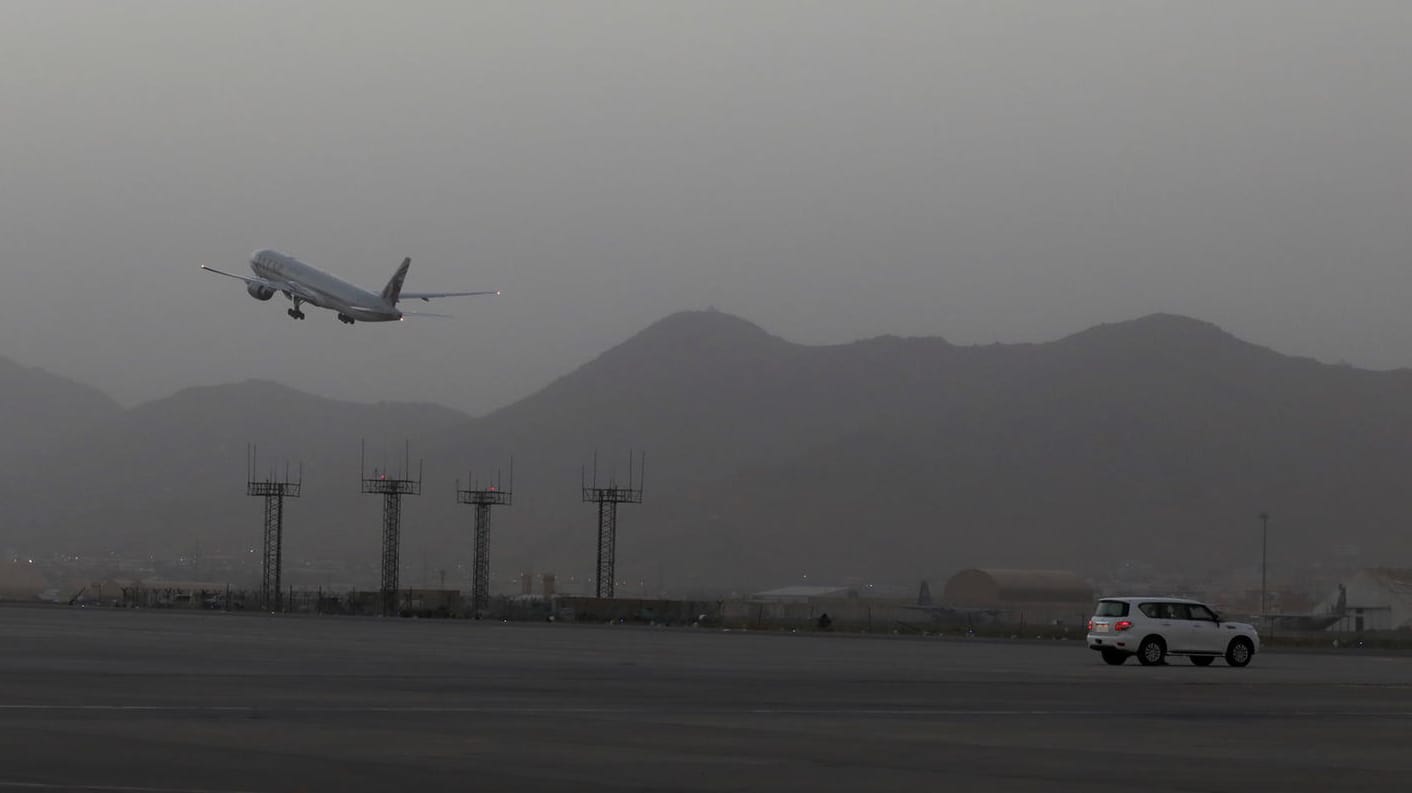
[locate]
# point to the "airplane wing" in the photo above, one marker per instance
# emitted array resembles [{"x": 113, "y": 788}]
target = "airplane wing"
[
  {"x": 278, "y": 287},
  {"x": 291, "y": 287},
  {"x": 425, "y": 296}
]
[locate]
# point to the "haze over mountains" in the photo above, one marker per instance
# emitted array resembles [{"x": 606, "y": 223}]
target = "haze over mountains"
[{"x": 887, "y": 460}]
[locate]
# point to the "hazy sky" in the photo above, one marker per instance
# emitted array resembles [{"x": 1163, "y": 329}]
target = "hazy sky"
[{"x": 985, "y": 171}]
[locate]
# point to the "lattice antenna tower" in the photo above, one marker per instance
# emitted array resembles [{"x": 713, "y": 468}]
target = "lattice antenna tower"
[
  {"x": 483, "y": 498},
  {"x": 608, "y": 498},
  {"x": 392, "y": 487},
  {"x": 274, "y": 489}
]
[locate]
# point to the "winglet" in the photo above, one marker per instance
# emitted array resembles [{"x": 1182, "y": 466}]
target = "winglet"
[{"x": 393, "y": 291}]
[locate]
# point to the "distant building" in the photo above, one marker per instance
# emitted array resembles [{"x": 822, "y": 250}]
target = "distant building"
[
  {"x": 1030, "y": 595},
  {"x": 805, "y": 605},
  {"x": 156, "y": 593},
  {"x": 1374, "y": 599},
  {"x": 21, "y": 580},
  {"x": 804, "y": 594}
]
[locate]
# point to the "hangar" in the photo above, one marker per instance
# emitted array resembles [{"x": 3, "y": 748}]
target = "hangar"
[{"x": 1024, "y": 595}]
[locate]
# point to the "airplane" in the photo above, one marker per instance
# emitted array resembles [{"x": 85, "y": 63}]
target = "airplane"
[{"x": 301, "y": 283}]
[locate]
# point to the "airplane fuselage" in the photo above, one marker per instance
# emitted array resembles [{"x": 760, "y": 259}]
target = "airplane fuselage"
[
  {"x": 279, "y": 273},
  {"x": 322, "y": 289}
]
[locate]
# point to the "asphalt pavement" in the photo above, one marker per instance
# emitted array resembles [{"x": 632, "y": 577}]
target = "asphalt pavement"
[{"x": 117, "y": 700}]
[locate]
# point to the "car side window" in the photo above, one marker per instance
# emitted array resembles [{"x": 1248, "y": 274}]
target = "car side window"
[
  {"x": 1202, "y": 613},
  {"x": 1178, "y": 611},
  {"x": 1151, "y": 610}
]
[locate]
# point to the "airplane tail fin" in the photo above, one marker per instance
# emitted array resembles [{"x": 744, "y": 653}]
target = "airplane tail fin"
[{"x": 393, "y": 291}]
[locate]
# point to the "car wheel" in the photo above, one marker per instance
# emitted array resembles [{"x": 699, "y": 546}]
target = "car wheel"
[
  {"x": 1114, "y": 658},
  {"x": 1202, "y": 660},
  {"x": 1239, "y": 652},
  {"x": 1152, "y": 651}
]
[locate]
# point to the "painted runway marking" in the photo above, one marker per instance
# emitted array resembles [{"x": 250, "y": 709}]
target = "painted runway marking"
[
  {"x": 556, "y": 711},
  {"x": 9, "y": 785}
]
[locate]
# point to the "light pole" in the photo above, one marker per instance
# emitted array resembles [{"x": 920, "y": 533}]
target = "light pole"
[{"x": 1264, "y": 545}]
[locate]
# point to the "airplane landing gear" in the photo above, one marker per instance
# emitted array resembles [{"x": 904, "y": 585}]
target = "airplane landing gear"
[
  {"x": 345, "y": 319},
  {"x": 296, "y": 313}
]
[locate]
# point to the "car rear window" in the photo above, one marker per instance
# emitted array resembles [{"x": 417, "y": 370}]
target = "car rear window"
[{"x": 1111, "y": 608}]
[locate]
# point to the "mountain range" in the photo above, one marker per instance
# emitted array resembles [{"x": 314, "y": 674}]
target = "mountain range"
[{"x": 1156, "y": 440}]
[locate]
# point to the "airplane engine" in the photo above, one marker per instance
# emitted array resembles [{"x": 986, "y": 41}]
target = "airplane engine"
[{"x": 259, "y": 292}]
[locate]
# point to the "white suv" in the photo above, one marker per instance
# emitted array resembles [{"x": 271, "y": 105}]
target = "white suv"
[{"x": 1153, "y": 628}]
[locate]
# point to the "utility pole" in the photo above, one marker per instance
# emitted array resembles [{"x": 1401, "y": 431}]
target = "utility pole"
[{"x": 1264, "y": 547}]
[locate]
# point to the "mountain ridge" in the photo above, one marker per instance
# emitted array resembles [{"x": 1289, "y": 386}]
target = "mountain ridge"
[{"x": 884, "y": 457}]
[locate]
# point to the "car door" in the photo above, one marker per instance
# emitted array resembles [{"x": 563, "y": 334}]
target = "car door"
[
  {"x": 1165, "y": 622},
  {"x": 1205, "y": 630},
  {"x": 1178, "y": 619}
]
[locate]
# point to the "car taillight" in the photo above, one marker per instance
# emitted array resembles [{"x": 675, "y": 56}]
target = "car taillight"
[
  {"x": 1090, "y": 626},
  {"x": 1122, "y": 625}
]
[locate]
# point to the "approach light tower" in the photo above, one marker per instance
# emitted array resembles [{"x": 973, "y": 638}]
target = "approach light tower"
[
  {"x": 483, "y": 499},
  {"x": 274, "y": 492},
  {"x": 392, "y": 487},
  {"x": 608, "y": 498}
]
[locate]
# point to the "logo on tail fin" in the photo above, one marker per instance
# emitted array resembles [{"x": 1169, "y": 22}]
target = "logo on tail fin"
[{"x": 393, "y": 290}]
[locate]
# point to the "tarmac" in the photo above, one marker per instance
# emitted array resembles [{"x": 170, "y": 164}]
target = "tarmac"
[{"x": 160, "y": 702}]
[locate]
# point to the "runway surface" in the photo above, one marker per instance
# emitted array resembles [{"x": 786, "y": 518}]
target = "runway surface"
[{"x": 104, "y": 700}]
